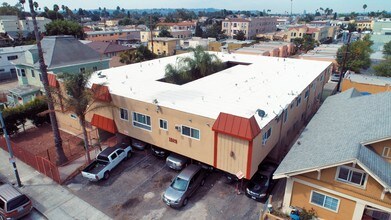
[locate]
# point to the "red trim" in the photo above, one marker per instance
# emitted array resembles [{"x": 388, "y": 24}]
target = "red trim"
[
  {"x": 104, "y": 123},
  {"x": 101, "y": 92},
  {"x": 249, "y": 159},
  {"x": 215, "y": 150}
]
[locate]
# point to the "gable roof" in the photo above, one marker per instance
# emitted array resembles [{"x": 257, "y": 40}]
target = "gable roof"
[
  {"x": 61, "y": 51},
  {"x": 336, "y": 134},
  {"x": 245, "y": 128},
  {"x": 107, "y": 47}
]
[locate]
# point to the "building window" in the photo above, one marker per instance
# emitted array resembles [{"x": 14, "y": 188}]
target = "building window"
[
  {"x": 351, "y": 175},
  {"x": 324, "y": 201},
  {"x": 387, "y": 152},
  {"x": 163, "y": 124},
  {"x": 286, "y": 115},
  {"x": 73, "y": 116},
  {"x": 142, "y": 121},
  {"x": 23, "y": 72},
  {"x": 32, "y": 73},
  {"x": 266, "y": 136},
  {"x": 123, "y": 114},
  {"x": 94, "y": 68},
  {"x": 190, "y": 132},
  {"x": 12, "y": 57},
  {"x": 235, "y": 25},
  {"x": 298, "y": 101},
  {"x": 82, "y": 70},
  {"x": 307, "y": 93}
]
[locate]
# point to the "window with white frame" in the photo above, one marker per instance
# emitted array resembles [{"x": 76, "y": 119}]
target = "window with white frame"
[
  {"x": 324, "y": 201},
  {"x": 190, "y": 132},
  {"x": 123, "y": 114},
  {"x": 163, "y": 124},
  {"x": 142, "y": 121},
  {"x": 387, "y": 152},
  {"x": 298, "y": 101},
  {"x": 266, "y": 135},
  {"x": 351, "y": 175}
]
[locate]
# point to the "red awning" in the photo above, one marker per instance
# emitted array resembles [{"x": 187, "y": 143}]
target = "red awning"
[
  {"x": 236, "y": 126},
  {"x": 52, "y": 80},
  {"x": 101, "y": 92},
  {"x": 104, "y": 123}
]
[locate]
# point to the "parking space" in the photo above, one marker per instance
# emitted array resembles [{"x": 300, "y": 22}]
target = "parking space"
[{"x": 135, "y": 188}]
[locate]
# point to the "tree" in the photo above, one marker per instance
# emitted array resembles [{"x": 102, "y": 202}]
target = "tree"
[
  {"x": 304, "y": 44},
  {"x": 383, "y": 68},
  {"x": 61, "y": 158},
  {"x": 358, "y": 55},
  {"x": 142, "y": 53},
  {"x": 64, "y": 27},
  {"x": 364, "y": 7},
  {"x": 240, "y": 35},
  {"x": 199, "y": 65},
  {"x": 164, "y": 33},
  {"x": 387, "y": 49},
  {"x": 198, "y": 31},
  {"x": 79, "y": 99}
]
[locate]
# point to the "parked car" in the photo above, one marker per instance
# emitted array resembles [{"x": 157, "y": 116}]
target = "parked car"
[
  {"x": 106, "y": 161},
  {"x": 334, "y": 77},
  {"x": 13, "y": 204},
  {"x": 176, "y": 161},
  {"x": 139, "y": 145},
  {"x": 262, "y": 183},
  {"x": 184, "y": 186},
  {"x": 159, "y": 152}
]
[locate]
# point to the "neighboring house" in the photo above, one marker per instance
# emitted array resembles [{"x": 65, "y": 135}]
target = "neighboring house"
[
  {"x": 22, "y": 94},
  {"x": 9, "y": 55},
  {"x": 381, "y": 33},
  {"x": 11, "y": 25},
  {"x": 364, "y": 25},
  {"x": 114, "y": 35},
  {"x": 341, "y": 164},
  {"x": 228, "y": 45},
  {"x": 182, "y": 26},
  {"x": 230, "y": 120},
  {"x": 320, "y": 23},
  {"x": 274, "y": 49},
  {"x": 61, "y": 54},
  {"x": 366, "y": 83},
  {"x": 164, "y": 46},
  {"x": 196, "y": 41},
  {"x": 111, "y": 50},
  {"x": 145, "y": 36},
  {"x": 320, "y": 34},
  {"x": 249, "y": 26}
]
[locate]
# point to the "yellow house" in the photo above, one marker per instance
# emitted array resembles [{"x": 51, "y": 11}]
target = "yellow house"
[
  {"x": 319, "y": 34},
  {"x": 365, "y": 83},
  {"x": 230, "y": 120},
  {"x": 340, "y": 165},
  {"x": 365, "y": 25},
  {"x": 164, "y": 46}
]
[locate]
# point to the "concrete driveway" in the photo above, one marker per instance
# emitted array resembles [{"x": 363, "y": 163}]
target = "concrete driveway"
[{"x": 135, "y": 188}]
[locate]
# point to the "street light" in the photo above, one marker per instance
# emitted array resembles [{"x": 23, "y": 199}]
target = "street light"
[{"x": 11, "y": 159}]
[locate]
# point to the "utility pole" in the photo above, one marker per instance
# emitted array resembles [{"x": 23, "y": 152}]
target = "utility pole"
[
  {"x": 11, "y": 159},
  {"x": 344, "y": 62},
  {"x": 291, "y": 7},
  {"x": 151, "y": 30}
]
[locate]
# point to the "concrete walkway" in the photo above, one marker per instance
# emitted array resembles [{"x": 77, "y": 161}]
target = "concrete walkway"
[{"x": 51, "y": 199}]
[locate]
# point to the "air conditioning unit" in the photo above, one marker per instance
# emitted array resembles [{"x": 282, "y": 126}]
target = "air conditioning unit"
[{"x": 178, "y": 128}]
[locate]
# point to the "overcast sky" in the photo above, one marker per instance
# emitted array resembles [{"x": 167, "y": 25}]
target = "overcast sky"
[{"x": 276, "y": 6}]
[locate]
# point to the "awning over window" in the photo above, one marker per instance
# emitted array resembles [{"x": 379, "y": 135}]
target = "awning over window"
[
  {"x": 101, "y": 92},
  {"x": 52, "y": 80},
  {"x": 236, "y": 126},
  {"x": 104, "y": 123}
]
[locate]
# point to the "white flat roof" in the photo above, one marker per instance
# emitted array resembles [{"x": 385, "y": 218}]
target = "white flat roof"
[
  {"x": 374, "y": 80},
  {"x": 269, "y": 83}
]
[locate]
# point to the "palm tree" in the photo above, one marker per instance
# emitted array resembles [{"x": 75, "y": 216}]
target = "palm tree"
[
  {"x": 61, "y": 158},
  {"x": 79, "y": 99},
  {"x": 364, "y": 7},
  {"x": 35, "y": 5},
  {"x": 56, "y": 9}
]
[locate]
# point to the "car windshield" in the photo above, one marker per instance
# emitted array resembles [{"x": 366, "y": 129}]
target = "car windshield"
[
  {"x": 259, "y": 181},
  {"x": 179, "y": 184},
  {"x": 103, "y": 158}
]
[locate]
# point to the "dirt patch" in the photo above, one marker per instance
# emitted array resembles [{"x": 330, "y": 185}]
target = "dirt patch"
[
  {"x": 118, "y": 208},
  {"x": 40, "y": 142},
  {"x": 163, "y": 180}
]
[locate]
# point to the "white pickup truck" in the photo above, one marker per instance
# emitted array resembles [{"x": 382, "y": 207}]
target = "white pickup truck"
[{"x": 106, "y": 160}]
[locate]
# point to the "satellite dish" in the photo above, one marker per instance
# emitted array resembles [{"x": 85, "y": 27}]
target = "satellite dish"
[{"x": 261, "y": 113}]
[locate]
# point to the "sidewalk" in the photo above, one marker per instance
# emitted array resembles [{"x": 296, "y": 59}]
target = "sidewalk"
[{"x": 51, "y": 199}]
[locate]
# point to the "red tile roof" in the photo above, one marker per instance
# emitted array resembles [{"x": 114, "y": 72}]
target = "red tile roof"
[
  {"x": 101, "y": 92},
  {"x": 52, "y": 80},
  {"x": 236, "y": 126},
  {"x": 104, "y": 123}
]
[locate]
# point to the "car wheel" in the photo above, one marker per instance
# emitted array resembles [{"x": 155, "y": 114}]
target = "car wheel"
[
  {"x": 106, "y": 175},
  {"x": 202, "y": 182},
  {"x": 128, "y": 155},
  {"x": 185, "y": 202}
]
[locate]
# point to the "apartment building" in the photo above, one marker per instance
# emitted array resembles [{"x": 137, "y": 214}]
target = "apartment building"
[
  {"x": 182, "y": 26},
  {"x": 324, "y": 52},
  {"x": 114, "y": 35},
  {"x": 319, "y": 34},
  {"x": 341, "y": 164},
  {"x": 274, "y": 49},
  {"x": 230, "y": 120},
  {"x": 145, "y": 36},
  {"x": 8, "y": 55},
  {"x": 11, "y": 25},
  {"x": 363, "y": 25},
  {"x": 164, "y": 46},
  {"x": 249, "y": 26}
]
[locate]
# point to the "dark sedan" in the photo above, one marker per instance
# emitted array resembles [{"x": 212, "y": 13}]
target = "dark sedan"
[{"x": 261, "y": 184}]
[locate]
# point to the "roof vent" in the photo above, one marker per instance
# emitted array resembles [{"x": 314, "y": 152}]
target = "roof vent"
[{"x": 261, "y": 113}]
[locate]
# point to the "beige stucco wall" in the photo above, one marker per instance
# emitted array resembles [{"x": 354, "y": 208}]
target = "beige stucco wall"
[{"x": 379, "y": 147}]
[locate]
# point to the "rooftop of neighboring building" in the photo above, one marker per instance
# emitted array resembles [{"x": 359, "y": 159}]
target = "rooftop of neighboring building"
[
  {"x": 337, "y": 135},
  {"x": 112, "y": 31},
  {"x": 107, "y": 47},
  {"x": 367, "y": 79},
  {"x": 183, "y": 23},
  {"x": 5, "y": 50},
  {"x": 165, "y": 39},
  {"x": 239, "y": 90}
]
